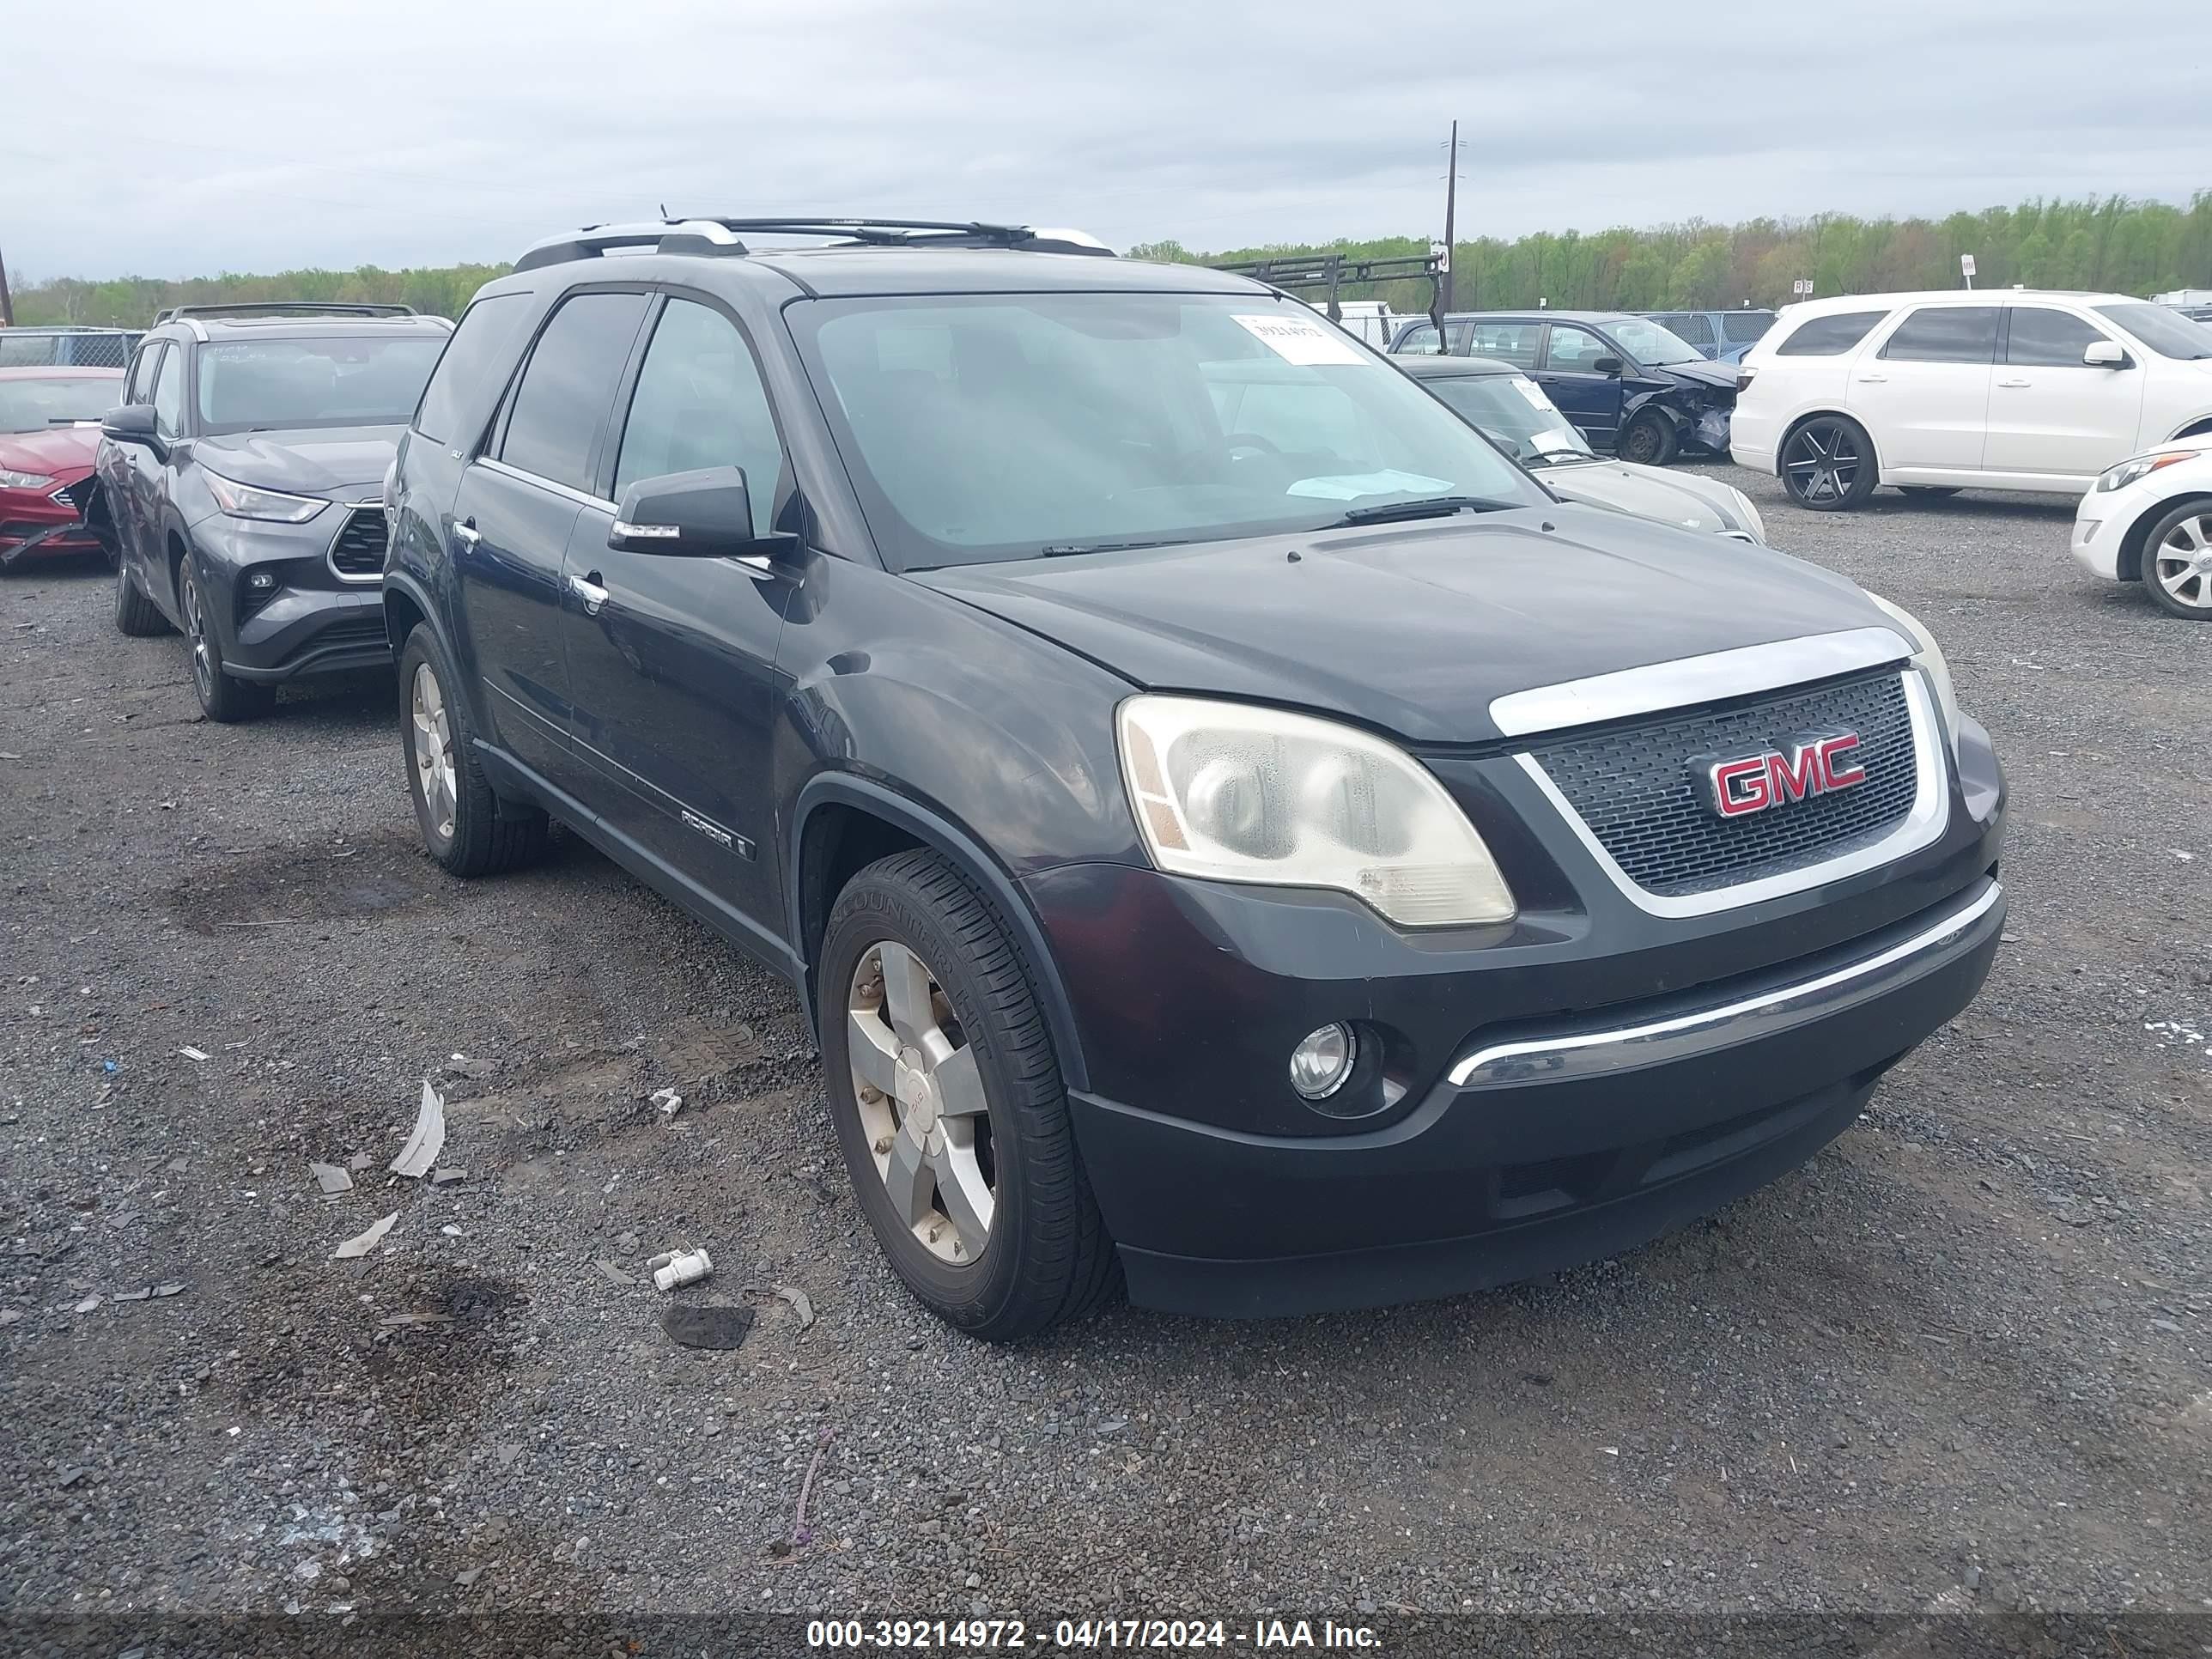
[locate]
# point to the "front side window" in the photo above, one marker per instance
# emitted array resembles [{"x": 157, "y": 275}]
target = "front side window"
[
  {"x": 1575, "y": 350},
  {"x": 139, "y": 388},
  {"x": 477, "y": 349},
  {"x": 1419, "y": 341},
  {"x": 2166, "y": 332},
  {"x": 699, "y": 402},
  {"x": 39, "y": 401},
  {"x": 1744, "y": 327},
  {"x": 1829, "y": 336},
  {"x": 994, "y": 427},
  {"x": 2040, "y": 338},
  {"x": 169, "y": 396},
  {"x": 1945, "y": 334},
  {"x": 1648, "y": 342},
  {"x": 567, "y": 386},
  {"x": 280, "y": 384}
]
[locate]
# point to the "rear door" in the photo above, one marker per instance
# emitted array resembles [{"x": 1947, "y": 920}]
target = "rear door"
[
  {"x": 514, "y": 513},
  {"x": 124, "y": 468},
  {"x": 1586, "y": 396},
  {"x": 671, "y": 658},
  {"x": 1923, "y": 392},
  {"x": 2050, "y": 414}
]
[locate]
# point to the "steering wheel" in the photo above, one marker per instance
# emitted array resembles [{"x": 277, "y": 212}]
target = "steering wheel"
[{"x": 1237, "y": 441}]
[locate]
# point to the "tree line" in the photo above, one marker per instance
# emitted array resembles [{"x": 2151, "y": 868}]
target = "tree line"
[{"x": 2112, "y": 243}]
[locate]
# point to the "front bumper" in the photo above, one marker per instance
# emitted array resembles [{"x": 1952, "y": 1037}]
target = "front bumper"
[
  {"x": 1565, "y": 1141},
  {"x": 314, "y": 623},
  {"x": 36, "y": 523}
]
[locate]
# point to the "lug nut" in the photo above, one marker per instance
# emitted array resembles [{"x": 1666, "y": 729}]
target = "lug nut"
[
  {"x": 934, "y": 1232},
  {"x": 883, "y": 1145}
]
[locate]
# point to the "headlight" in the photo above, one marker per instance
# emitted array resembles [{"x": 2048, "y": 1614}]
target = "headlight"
[
  {"x": 1928, "y": 659},
  {"x": 1241, "y": 793},
  {"x": 250, "y": 501},
  {"x": 1749, "y": 515},
  {"x": 2141, "y": 466},
  {"x": 23, "y": 480}
]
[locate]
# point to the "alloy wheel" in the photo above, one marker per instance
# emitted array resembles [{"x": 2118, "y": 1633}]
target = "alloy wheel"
[
  {"x": 1822, "y": 463},
  {"x": 432, "y": 743},
  {"x": 2182, "y": 563},
  {"x": 922, "y": 1103},
  {"x": 196, "y": 631}
]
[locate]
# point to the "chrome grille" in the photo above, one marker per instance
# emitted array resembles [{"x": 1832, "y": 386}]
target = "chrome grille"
[
  {"x": 358, "y": 552},
  {"x": 1637, "y": 790}
]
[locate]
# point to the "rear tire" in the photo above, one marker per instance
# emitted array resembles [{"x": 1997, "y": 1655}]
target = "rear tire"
[
  {"x": 465, "y": 827},
  {"x": 2177, "y": 561},
  {"x": 224, "y": 697},
  {"x": 1649, "y": 441},
  {"x": 135, "y": 614},
  {"x": 922, "y": 989},
  {"x": 1827, "y": 465}
]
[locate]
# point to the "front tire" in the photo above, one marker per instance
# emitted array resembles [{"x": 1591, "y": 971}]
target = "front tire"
[
  {"x": 223, "y": 697},
  {"x": 1828, "y": 464},
  {"x": 949, "y": 1105},
  {"x": 465, "y": 827},
  {"x": 2177, "y": 561},
  {"x": 1649, "y": 441},
  {"x": 136, "y": 615}
]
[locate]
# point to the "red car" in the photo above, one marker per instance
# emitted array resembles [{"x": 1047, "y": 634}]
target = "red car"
[{"x": 49, "y": 434}]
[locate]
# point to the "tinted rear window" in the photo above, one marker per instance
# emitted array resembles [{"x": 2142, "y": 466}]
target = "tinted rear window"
[
  {"x": 1738, "y": 326},
  {"x": 1945, "y": 334},
  {"x": 1829, "y": 336},
  {"x": 477, "y": 349}
]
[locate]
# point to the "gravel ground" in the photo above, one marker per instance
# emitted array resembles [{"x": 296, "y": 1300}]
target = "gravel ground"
[{"x": 1961, "y": 1359}]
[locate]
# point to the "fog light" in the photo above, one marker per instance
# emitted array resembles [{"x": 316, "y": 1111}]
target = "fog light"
[
  {"x": 1320, "y": 1064},
  {"x": 261, "y": 581}
]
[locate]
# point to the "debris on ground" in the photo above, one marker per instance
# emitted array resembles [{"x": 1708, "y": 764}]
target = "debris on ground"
[
  {"x": 611, "y": 1273},
  {"x": 362, "y": 1244},
  {"x": 673, "y": 1267},
  {"x": 177, "y": 1165},
  {"x": 801, "y": 1533},
  {"x": 448, "y": 1178},
  {"x": 89, "y": 1305},
  {"x": 135, "y": 1296},
  {"x": 359, "y": 1161},
  {"x": 193, "y": 1054},
  {"x": 161, "y": 1290},
  {"x": 333, "y": 1180},
  {"x": 408, "y": 1320},
  {"x": 428, "y": 1139},
  {"x": 468, "y": 1577},
  {"x": 698, "y": 1325},
  {"x": 668, "y": 1100},
  {"x": 801, "y": 1303},
  {"x": 469, "y": 1065}
]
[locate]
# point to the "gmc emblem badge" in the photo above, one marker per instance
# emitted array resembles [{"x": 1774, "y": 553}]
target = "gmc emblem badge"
[{"x": 1810, "y": 764}]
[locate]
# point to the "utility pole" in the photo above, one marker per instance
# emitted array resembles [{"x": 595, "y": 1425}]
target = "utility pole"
[
  {"x": 1451, "y": 201},
  {"x": 6, "y": 305}
]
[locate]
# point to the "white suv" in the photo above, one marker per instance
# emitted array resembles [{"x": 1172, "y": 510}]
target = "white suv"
[{"x": 2009, "y": 389}]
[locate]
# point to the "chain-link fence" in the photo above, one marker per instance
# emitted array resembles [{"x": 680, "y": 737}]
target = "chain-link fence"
[{"x": 71, "y": 347}]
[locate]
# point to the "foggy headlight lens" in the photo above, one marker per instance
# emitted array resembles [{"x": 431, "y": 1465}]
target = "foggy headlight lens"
[
  {"x": 1239, "y": 793},
  {"x": 2140, "y": 467}
]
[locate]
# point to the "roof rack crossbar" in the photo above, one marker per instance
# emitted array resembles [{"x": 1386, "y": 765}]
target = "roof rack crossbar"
[
  {"x": 284, "y": 308},
  {"x": 1329, "y": 271},
  {"x": 711, "y": 235}
]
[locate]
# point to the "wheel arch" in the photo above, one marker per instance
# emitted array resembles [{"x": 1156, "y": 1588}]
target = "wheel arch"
[
  {"x": 2197, "y": 427},
  {"x": 2133, "y": 543},
  {"x": 842, "y": 822},
  {"x": 406, "y": 609}
]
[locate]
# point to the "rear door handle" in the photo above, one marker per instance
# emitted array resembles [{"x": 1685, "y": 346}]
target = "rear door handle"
[
  {"x": 589, "y": 591},
  {"x": 1874, "y": 379},
  {"x": 2016, "y": 383}
]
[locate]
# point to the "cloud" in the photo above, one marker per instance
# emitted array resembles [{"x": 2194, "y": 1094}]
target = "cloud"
[{"x": 252, "y": 134}]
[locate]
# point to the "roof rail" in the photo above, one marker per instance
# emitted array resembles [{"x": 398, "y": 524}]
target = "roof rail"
[
  {"x": 284, "y": 309},
  {"x": 718, "y": 235}
]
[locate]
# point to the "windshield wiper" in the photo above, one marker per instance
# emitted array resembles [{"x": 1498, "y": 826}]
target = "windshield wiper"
[
  {"x": 1064, "y": 550},
  {"x": 1433, "y": 507}
]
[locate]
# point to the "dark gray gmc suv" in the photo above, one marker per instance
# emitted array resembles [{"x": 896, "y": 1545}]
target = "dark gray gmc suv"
[{"x": 1230, "y": 826}]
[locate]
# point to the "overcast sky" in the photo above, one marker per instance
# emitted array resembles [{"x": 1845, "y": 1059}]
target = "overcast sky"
[{"x": 240, "y": 135}]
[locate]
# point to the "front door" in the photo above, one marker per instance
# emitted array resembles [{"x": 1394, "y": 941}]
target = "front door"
[
  {"x": 2050, "y": 414},
  {"x": 513, "y": 514},
  {"x": 671, "y": 658},
  {"x": 1923, "y": 393},
  {"x": 1589, "y": 397}
]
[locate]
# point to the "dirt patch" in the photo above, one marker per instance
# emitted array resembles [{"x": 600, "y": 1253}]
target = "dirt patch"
[{"x": 288, "y": 886}]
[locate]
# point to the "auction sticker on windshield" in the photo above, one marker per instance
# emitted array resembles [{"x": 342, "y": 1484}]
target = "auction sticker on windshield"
[{"x": 1296, "y": 340}]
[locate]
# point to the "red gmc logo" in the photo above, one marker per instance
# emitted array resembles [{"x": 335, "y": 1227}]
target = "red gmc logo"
[{"x": 1813, "y": 763}]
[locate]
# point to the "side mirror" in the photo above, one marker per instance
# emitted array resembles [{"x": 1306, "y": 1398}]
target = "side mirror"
[
  {"x": 705, "y": 514},
  {"x": 2104, "y": 354},
  {"x": 133, "y": 423},
  {"x": 1605, "y": 364}
]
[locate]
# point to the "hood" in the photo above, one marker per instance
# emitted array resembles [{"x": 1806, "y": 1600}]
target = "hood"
[
  {"x": 1414, "y": 628},
  {"x": 315, "y": 462},
  {"x": 1722, "y": 377},
  {"x": 60, "y": 452},
  {"x": 1681, "y": 499}
]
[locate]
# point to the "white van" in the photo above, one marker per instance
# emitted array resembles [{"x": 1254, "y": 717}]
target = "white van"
[{"x": 2010, "y": 389}]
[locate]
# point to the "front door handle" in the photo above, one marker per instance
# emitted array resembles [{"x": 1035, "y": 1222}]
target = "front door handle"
[
  {"x": 466, "y": 532},
  {"x": 589, "y": 591},
  {"x": 1875, "y": 379},
  {"x": 2015, "y": 383}
]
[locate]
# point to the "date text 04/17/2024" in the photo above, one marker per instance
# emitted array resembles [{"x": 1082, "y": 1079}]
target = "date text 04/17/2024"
[{"x": 1086, "y": 1635}]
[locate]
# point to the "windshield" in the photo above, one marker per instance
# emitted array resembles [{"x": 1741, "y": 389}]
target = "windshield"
[
  {"x": 2163, "y": 330},
  {"x": 1648, "y": 342},
  {"x": 1511, "y": 410},
  {"x": 259, "y": 385},
  {"x": 994, "y": 427},
  {"x": 32, "y": 404}
]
